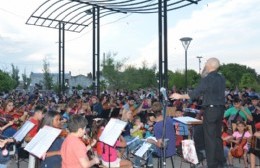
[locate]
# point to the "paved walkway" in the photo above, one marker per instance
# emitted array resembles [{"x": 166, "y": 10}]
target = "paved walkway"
[{"x": 178, "y": 163}]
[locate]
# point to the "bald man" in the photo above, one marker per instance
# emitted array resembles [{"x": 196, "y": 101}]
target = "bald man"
[{"x": 212, "y": 89}]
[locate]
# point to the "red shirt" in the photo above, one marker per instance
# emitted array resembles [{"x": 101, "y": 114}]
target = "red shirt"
[
  {"x": 72, "y": 150},
  {"x": 35, "y": 129}
]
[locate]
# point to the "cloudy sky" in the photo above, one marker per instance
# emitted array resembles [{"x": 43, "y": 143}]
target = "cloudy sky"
[{"x": 226, "y": 29}]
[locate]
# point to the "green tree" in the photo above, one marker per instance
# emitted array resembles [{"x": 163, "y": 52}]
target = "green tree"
[
  {"x": 193, "y": 78},
  {"x": 15, "y": 75},
  {"x": 6, "y": 82},
  {"x": 79, "y": 87},
  {"x": 26, "y": 80},
  {"x": 234, "y": 72},
  {"x": 177, "y": 79},
  {"x": 247, "y": 80},
  {"x": 47, "y": 78},
  {"x": 111, "y": 71}
]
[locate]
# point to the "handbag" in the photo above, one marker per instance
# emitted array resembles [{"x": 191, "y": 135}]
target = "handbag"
[{"x": 189, "y": 152}]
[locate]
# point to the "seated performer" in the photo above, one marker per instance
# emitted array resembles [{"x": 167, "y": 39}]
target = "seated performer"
[
  {"x": 73, "y": 150},
  {"x": 110, "y": 155}
]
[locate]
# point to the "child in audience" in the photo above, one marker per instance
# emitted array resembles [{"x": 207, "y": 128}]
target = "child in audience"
[
  {"x": 241, "y": 132},
  {"x": 149, "y": 126},
  {"x": 73, "y": 150},
  {"x": 137, "y": 130}
]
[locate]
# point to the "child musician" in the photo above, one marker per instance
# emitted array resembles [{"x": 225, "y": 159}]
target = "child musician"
[
  {"x": 73, "y": 149},
  {"x": 240, "y": 133}
]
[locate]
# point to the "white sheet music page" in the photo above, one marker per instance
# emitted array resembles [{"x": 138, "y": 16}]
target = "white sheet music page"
[
  {"x": 112, "y": 131},
  {"x": 186, "y": 119},
  {"x": 42, "y": 141},
  {"x": 23, "y": 131},
  {"x": 144, "y": 148}
]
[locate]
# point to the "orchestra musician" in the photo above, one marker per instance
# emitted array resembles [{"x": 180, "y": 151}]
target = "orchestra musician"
[
  {"x": 4, "y": 154},
  {"x": 52, "y": 158},
  {"x": 35, "y": 119},
  {"x": 73, "y": 150},
  {"x": 10, "y": 113}
]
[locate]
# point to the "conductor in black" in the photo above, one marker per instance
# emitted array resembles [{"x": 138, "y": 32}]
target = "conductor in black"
[{"x": 212, "y": 89}]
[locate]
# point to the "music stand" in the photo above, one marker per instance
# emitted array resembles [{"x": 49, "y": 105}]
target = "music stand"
[
  {"x": 188, "y": 121},
  {"x": 114, "y": 127}
]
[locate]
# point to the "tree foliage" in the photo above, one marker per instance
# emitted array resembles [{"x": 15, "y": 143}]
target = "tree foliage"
[
  {"x": 15, "y": 75},
  {"x": 129, "y": 78},
  {"x": 234, "y": 73},
  {"x": 177, "y": 79},
  {"x": 47, "y": 78},
  {"x": 6, "y": 82},
  {"x": 26, "y": 80}
]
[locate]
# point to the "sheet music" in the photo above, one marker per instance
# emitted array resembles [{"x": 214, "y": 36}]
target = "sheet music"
[
  {"x": 23, "y": 131},
  {"x": 128, "y": 143},
  {"x": 151, "y": 137},
  {"x": 42, "y": 141},
  {"x": 187, "y": 120},
  {"x": 112, "y": 131},
  {"x": 143, "y": 149}
]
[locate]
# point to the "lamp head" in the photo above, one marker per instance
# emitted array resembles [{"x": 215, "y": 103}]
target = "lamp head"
[{"x": 186, "y": 42}]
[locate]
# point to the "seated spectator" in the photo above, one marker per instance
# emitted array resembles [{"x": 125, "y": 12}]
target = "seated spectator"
[
  {"x": 238, "y": 113},
  {"x": 138, "y": 128},
  {"x": 254, "y": 104}
]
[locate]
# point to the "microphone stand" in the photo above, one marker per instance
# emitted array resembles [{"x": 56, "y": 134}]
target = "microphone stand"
[{"x": 163, "y": 163}]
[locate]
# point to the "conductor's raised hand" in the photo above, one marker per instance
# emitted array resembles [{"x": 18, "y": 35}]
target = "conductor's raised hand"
[{"x": 175, "y": 96}]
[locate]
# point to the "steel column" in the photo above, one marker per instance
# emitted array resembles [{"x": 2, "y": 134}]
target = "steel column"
[
  {"x": 94, "y": 50},
  {"x": 98, "y": 51},
  {"x": 63, "y": 58}
]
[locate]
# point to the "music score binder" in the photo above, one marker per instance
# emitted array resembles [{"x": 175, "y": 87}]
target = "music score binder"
[
  {"x": 42, "y": 141},
  {"x": 23, "y": 131}
]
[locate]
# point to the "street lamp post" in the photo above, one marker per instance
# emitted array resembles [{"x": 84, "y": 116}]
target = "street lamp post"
[
  {"x": 186, "y": 42},
  {"x": 199, "y": 57}
]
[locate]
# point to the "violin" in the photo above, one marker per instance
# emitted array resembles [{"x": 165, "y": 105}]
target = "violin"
[
  {"x": 88, "y": 141},
  {"x": 255, "y": 143},
  {"x": 238, "y": 150},
  {"x": 64, "y": 133}
]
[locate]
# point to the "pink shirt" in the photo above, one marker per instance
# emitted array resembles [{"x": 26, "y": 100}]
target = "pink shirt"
[
  {"x": 72, "y": 150},
  {"x": 237, "y": 135},
  {"x": 109, "y": 150}
]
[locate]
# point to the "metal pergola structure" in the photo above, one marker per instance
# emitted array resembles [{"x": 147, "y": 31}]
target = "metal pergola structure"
[{"x": 76, "y": 15}]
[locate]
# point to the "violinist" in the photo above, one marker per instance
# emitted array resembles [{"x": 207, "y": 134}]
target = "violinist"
[
  {"x": 4, "y": 154},
  {"x": 9, "y": 114},
  {"x": 73, "y": 149},
  {"x": 36, "y": 119},
  {"x": 52, "y": 158},
  {"x": 237, "y": 137}
]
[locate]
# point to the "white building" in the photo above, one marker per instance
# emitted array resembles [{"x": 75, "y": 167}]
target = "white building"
[{"x": 72, "y": 81}]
